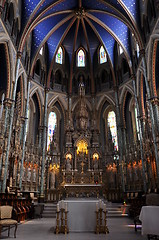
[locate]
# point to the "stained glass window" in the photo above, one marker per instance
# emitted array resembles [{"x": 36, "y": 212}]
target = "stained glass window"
[
  {"x": 103, "y": 57},
  {"x": 59, "y": 56},
  {"x": 113, "y": 128},
  {"x": 137, "y": 125},
  {"x": 120, "y": 50},
  {"x": 81, "y": 59},
  {"x": 52, "y": 122},
  {"x": 41, "y": 51},
  {"x": 137, "y": 50}
]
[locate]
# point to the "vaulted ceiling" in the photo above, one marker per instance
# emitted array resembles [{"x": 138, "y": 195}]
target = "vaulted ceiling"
[{"x": 75, "y": 23}]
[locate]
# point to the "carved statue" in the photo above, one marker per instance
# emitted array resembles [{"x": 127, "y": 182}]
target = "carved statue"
[{"x": 68, "y": 165}]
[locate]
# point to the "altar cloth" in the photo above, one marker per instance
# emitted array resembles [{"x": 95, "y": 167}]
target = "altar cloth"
[
  {"x": 81, "y": 215},
  {"x": 149, "y": 216}
]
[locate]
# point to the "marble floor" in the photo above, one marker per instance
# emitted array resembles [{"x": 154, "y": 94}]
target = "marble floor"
[{"x": 43, "y": 229}]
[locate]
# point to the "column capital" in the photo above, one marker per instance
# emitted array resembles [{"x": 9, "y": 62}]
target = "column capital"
[
  {"x": 19, "y": 54},
  {"x": 133, "y": 77},
  {"x": 116, "y": 88},
  {"x": 155, "y": 101},
  {"x": 47, "y": 89},
  {"x": 29, "y": 78},
  {"x": 8, "y": 101},
  {"x": 23, "y": 119},
  {"x": 69, "y": 95},
  {"x": 142, "y": 53}
]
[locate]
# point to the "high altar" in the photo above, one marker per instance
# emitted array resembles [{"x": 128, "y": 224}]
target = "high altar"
[{"x": 81, "y": 167}]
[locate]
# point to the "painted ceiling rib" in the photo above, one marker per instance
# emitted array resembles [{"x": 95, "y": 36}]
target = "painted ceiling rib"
[
  {"x": 21, "y": 43},
  {"x": 80, "y": 3},
  {"x": 109, "y": 30},
  {"x": 90, "y": 62},
  {"x": 138, "y": 35},
  {"x": 112, "y": 7},
  {"x": 34, "y": 24},
  {"x": 101, "y": 41},
  {"x": 49, "y": 34},
  {"x": 73, "y": 50},
  {"x": 122, "y": 19},
  {"x": 62, "y": 38},
  {"x": 25, "y": 31}
]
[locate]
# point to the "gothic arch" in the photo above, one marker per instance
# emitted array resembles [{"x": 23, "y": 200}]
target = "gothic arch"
[
  {"x": 87, "y": 103},
  {"x": 40, "y": 101},
  {"x": 9, "y": 68},
  {"x": 102, "y": 100},
  {"x": 105, "y": 118},
  {"x": 80, "y": 139},
  {"x": 123, "y": 91},
  {"x": 61, "y": 100},
  {"x": 123, "y": 105},
  {"x": 152, "y": 55}
]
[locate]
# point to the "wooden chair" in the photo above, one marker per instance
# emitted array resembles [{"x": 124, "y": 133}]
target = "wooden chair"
[{"x": 6, "y": 219}]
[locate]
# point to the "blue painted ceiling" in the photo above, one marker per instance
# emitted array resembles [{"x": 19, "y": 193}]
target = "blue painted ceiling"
[{"x": 100, "y": 22}]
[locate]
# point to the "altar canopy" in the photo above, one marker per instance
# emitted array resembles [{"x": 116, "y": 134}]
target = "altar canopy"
[{"x": 81, "y": 214}]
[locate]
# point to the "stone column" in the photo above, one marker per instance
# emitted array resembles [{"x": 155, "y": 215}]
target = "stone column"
[
  {"x": 155, "y": 106},
  {"x": 11, "y": 120},
  {"x": 24, "y": 133},
  {"x": 44, "y": 146},
  {"x": 140, "y": 133},
  {"x": 120, "y": 138},
  {"x": 153, "y": 123},
  {"x": 39, "y": 157},
  {"x": 89, "y": 165},
  {"x": 75, "y": 166},
  {"x": 4, "y": 123}
]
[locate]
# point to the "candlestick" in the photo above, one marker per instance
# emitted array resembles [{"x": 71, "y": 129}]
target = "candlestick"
[
  {"x": 104, "y": 207},
  {"x": 65, "y": 207},
  {"x": 100, "y": 203},
  {"x": 97, "y": 207},
  {"x": 62, "y": 204}
]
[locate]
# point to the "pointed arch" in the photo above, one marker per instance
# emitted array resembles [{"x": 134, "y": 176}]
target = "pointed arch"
[
  {"x": 61, "y": 99},
  {"x": 81, "y": 57},
  {"x": 103, "y": 99}
]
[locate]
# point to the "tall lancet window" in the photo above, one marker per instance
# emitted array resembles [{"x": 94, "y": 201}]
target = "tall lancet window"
[
  {"x": 102, "y": 55},
  {"x": 81, "y": 58},
  {"x": 59, "y": 56},
  {"x": 52, "y": 122},
  {"x": 113, "y": 128},
  {"x": 137, "y": 124}
]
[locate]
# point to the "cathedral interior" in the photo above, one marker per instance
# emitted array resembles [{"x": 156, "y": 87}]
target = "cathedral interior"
[{"x": 79, "y": 99}]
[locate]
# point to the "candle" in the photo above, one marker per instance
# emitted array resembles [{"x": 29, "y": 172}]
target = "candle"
[
  {"x": 97, "y": 207},
  {"x": 65, "y": 207},
  {"x": 58, "y": 207}
]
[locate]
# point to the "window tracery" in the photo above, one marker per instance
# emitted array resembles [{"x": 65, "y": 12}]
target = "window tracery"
[
  {"x": 113, "y": 128},
  {"x": 52, "y": 122},
  {"x": 81, "y": 58},
  {"x": 102, "y": 55},
  {"x": 59, "y": 56}
]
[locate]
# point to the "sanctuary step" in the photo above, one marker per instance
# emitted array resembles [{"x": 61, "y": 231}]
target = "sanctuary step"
[
  {"x": 49, "y": 210},
  {"x": 116, "y": 210}
]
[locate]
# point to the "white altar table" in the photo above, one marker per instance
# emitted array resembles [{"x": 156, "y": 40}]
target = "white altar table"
[
  {"x": 81, "y": 214},
  {"x": 149, "y": 216}
]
